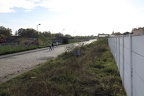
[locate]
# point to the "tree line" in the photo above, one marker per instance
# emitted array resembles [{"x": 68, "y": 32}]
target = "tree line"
[
  {"x": 28, "y": 32},
  {"x": 6, "y": 33}
]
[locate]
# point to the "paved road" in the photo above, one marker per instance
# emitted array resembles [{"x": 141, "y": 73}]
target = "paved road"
[{"x": 15, "y": 64}]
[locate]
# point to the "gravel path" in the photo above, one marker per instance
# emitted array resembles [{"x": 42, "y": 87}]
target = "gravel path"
[{"x": 15, "y": 64}]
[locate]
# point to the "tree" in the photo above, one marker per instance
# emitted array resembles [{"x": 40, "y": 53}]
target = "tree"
[
  {"x": 67, "y": 35},
  {"x": 65, "y": 40},
  {"x": 5, "y": 31},
  {"x": 58, "y": 35},
  {"x": 21, "y": 31},
  {"x": 116, "y": 33},
  {"x": 47, "y": 33},
  {"x": 29, "y": 32},
  {"x": 2, "y": 38},
  {"x": 126, "y": 33}
]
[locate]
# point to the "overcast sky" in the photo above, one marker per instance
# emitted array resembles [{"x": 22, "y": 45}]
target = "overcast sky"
[{"x": 77, "y": 17}]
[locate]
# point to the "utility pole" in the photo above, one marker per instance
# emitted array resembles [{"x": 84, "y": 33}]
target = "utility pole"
[{"x": 37, "y": 35}]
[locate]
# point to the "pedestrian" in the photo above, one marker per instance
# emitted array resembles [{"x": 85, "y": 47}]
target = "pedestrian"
[{"x": 50, "y": 46}]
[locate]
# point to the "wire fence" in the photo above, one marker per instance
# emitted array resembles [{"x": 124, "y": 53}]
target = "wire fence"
[{"x": 128, "y": 52}]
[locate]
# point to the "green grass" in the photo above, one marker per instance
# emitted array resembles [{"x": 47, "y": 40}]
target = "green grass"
[
  {"x": 93, "y": 73},
  {"x": 13, "y": 49}
]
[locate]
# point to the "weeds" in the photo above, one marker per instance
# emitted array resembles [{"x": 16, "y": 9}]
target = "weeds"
[{"x": 93, "y": 73}]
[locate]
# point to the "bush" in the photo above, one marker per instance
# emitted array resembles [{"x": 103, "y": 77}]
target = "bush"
[{"x": 65, "y": 40}]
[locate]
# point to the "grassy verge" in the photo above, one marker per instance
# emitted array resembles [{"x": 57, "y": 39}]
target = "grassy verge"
[
  {"x": 93, "y": 73},
  {"x": 13, "y": 49}
]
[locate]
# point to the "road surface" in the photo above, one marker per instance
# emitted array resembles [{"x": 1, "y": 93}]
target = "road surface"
[{"x": 14, "y": 64}]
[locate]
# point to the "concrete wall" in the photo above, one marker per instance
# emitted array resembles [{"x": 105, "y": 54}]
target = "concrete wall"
[{"x": 128, "y": 52}]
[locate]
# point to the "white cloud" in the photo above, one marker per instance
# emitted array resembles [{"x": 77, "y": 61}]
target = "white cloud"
[
  {"x": 5, "y": 6},
  {"x": 8, "y": 6}
]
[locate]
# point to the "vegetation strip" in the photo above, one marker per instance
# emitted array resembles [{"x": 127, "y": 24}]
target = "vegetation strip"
[{"x": 92, "y": 73}]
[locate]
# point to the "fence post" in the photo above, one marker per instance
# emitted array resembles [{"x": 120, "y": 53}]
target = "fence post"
[
  {"x": 131, "y": 73},
  {"x": 116, "y": 53},
  {"x": 123, "y": 59},
  {"x": 119, "y": 52}
]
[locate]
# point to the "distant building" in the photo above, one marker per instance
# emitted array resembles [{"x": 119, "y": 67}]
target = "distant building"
[
  {"x": 138, "y": 31},
  {"x": 103, "y": 35}
]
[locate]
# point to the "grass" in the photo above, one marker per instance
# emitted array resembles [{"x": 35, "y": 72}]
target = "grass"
[
  {"x": 13, "y": 49},
  {"x": 93, "y": 73}
]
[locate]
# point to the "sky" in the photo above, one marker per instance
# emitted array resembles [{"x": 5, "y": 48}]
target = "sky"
[{"x": 74, "y": 17}]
